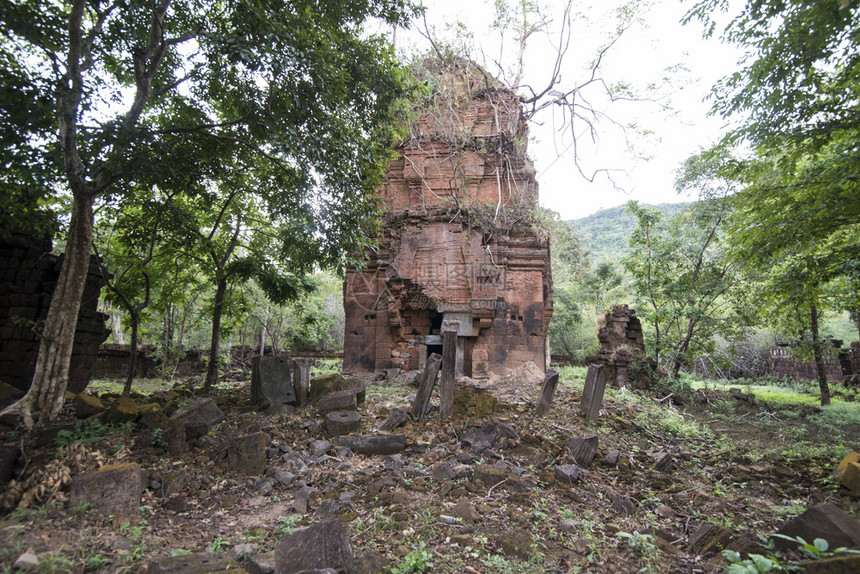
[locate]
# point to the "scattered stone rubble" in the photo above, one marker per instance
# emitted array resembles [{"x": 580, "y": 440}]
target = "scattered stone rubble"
[{"x": 241, "y": 473}]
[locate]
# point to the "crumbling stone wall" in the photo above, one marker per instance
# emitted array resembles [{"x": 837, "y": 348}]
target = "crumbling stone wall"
[
  {"x": 784, "y": 362},
  {"x": 29, "y": 273},
  {"x": 458, "y": 248}
]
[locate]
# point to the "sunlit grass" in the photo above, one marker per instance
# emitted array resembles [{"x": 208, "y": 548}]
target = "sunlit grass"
[
  {"x": 143, "y": 386},
  {"x": 571, "y": 376}
]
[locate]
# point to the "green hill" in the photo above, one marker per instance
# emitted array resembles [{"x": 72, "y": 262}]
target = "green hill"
[{"x": 606, "y": 231}]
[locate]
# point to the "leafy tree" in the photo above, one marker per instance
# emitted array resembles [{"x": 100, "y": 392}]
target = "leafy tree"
[
  {"x": 181, "y": 87},
  {"x": 796, "y": 95},
  {"x": 680, "y": 277},
  {"x": 599, "y": 281}
]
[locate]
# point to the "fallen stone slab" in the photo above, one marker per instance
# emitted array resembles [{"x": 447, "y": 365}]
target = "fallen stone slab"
[
  {"x": 113, "y": 490},
  {"x": 710, "y": 538},
  {"x": 337, "y": 401},
  {"x": 271, "y": 382},
  {"x": 323, "y": 384},
  {"x": 371, "y": 445},
  {"x": 397, "y": 417},
  {"x": 201, "y": 563},
  {"x": 247, "y": 454},
  {"x": 583, "y": 449},
  {"x": 826, "y": 521},
  {"x": 317, "y": 547}
]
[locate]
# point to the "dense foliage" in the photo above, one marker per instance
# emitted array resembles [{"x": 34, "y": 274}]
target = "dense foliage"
[{"x": 278, "y": 110}]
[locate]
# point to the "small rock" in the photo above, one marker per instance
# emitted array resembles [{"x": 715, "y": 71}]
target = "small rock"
[
  {"x": 327, "y": 510},
  {"x": 465, "y": 511},
  {"x": 397, "y": 417},
  {"x": 611, "y": 458},
  {"x": 480, "y": 439},
  {"x": 177, "y": 503},
  {"x": 516, "y": 543},
  {"x": 393, "y": 463},
  {"x": 442, "y": 471},
  {"x": 263, "y": 486},
  {"x": 623, "y": 504},
  {"x": 247, "y": 454},
  {"x": 87, "y": 406},
  {"x": 370, "y": 561},
  {"x": 665, "y": 511},
  {"x": 121, "y": 411},
  {"x": 26, "y": 561},
  {"x": 242, "y": 550},
  {"x": 569, "y": 525},
  {"x": 566, "y": 473},
  {"x": 319, "y": 447},
  {"x": 282, "y": 476},
  {"x": 201, "y": 563}
]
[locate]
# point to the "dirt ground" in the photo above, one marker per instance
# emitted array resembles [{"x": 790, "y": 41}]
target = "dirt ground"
[{"x": 442, "y": 504}]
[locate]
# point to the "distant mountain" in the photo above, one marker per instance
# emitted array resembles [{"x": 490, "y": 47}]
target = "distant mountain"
[{"x": 606, "y": 231}]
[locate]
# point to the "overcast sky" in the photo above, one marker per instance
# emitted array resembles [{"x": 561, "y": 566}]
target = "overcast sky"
[{"x": 658, "y": 50}]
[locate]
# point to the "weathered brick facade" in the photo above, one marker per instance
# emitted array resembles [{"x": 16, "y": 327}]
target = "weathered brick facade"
[
  {"x": 29, "y": 274},
  {"x": 458, "y": 244}
]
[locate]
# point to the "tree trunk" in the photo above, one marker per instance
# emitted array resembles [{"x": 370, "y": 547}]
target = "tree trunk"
[
  {"x": 134, "y": 315},
  {"x": 48, "y": 390},
  {"x": 180, "y": 341},
  {"x": 819, "y": 358},
  {"x": 116, "y": 326},
  {"x": 212, "y": 372}
]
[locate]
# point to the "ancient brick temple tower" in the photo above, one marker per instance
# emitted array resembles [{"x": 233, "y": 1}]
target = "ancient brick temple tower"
[{"x": 459, "y": 247}]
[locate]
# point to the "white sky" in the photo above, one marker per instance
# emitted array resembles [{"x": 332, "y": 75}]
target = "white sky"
[{"x": 640, "y": 57}]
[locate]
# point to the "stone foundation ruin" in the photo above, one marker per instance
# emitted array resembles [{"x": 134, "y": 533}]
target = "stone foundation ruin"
[{"x": 459, "y": 249}]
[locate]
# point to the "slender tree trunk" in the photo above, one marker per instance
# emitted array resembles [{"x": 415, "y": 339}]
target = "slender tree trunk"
[
  {"x": 212, "y": 372},
  {"x": 116, "y": 326},
  {"x": 132, "y": 359},
  {"x": 180, "y": 341},
  {"x": 819, "y": 358},
  {"x": 682, "y": 348},
  {"x": 47, "y": 391}
]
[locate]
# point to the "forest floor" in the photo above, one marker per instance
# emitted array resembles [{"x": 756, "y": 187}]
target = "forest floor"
[{"x": 739, "y": 463}]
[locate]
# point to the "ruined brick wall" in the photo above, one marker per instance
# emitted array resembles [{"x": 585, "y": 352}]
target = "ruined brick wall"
[
  {"x": 784, "y": 363},
  {"x": 29, "y": 274},
  {"x": 458, "y": 245},
  {"x": 622, "y": 345}
]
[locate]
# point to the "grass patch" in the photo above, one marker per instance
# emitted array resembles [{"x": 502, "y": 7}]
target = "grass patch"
[
  {"x": 571, "y": 376},
  {"x": 143, "y": 386}
]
